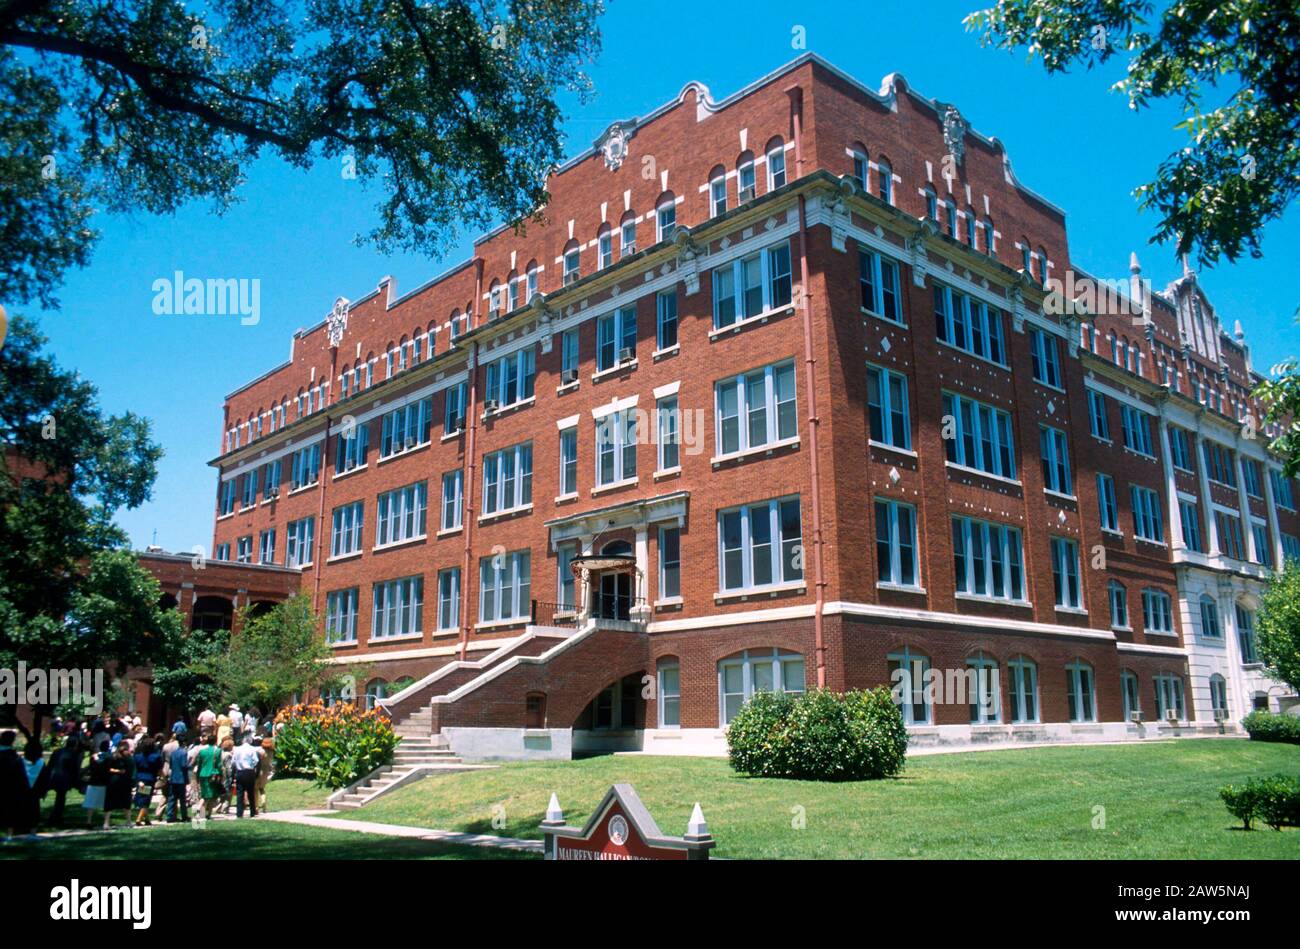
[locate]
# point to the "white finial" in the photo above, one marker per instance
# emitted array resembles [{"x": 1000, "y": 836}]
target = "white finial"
[
  {"x": 1133, "y": 266},
  {"x": 1187, "y": 266},
  {"x": 697, "y": 826},
  {"x": 553, "y": 813},
  {"x": 1237, "y": 331}
]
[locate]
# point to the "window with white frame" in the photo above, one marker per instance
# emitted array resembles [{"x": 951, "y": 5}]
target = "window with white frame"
[
  {"x": 755, "y": 409},
  {"x": 1219, "y": 696},
  {"x": 1081, "y": 692},
  {"x": 453, "y": 414},
  {"x": 1098, "y": 423},
  {"x": 266, "y": 547},
  {"x": 1157, "y": 611},
  {"x": 757, "y": 670},
  {"x": 666, "y": 319},
  {"x": 345, "y": 529},
  {"x": 453, "y": 499},
  {"x": 670, "y": 694},
  {"x": 1290, "y": 547},
  {"x": 1118, "y": 605},
  {"x": 665, "y": 221},
  {"x": 223, "y": 552},
  {"x": 616, "y": 438},
  {"x": 449, "y": 598},
  {"x": 510, "y": 378},
  {"x": 350, "y": 448},
  {"x": 984, "y": 685},
  {"x": 1231, "y": 542},
  {"x": 950, "y": 219},
  {"x": 861, "y": 167},
  {"x": 752, "y": 285},
  {"x": 226, "y": 504},
  {"x": 1054, "y": 449},
  {"x": 746, "y": 183},
  {"x": 569, "y": 462},
  {"x": 1022, "y": 689},
  {"x": 987, "y": 560},
  {"x": 1148, "y": 522},
  {"x": 895, "y": 544},
  {"x": 888, "y": 419},
  {"x": 878, "y": 282},
  {"x": 504, "y": 587},
  {"x": 931, "y": 204},
  {"x": 566, "y": 583},
  {"x": 616, "y": 338},
  {"x": 1218, "y": 463},
  {"x": 1137, "y": 430},
  {"x": 627, "y": 238},
  {"x": 398, "y": 608},
  {"x": 670, "y": 563},
  {"x": 969, "y": 325},
  {"x": 1045, "y": 354},
  {"x": 571, "y": 271},
  {"x": 907, "y": 676},
  {"x": 1282, "y": 494},
  {"x": 605, "y": 244},
  {"x": 405, "y": 428},
  {"x": 718, "y": 195},
  {"x": 1263, "y": 549},
  {"x": 244, "y": 549},
  {"x": 305, "y": 467},
  {"x": 569, "y": 358},
  {"x": 760, "y": 545},
  {"x": 776, "y": 168},
  {"x": 981, "y": 436},
  {"x": 508, "y": 479},
  {"x": 1210, "y": 618},
  {"x": 248, "y": 494},
  {"x": 668, "y": 423},
  {"x": 1128, "y": 686},
  {"x": 1250, "y": 478},
  {"x": 341, "y": 615},
  {"x": 1065, "y": 573},
  {"x": 1191, "y": 525},
  {"x": 1180, "y": 448},
  {"x": 402, "y": 514},
  {"x": 1169, "y": 696},
  {"x": 1106, "y": 505},
  {"x": 885, "y": 182},
  {"x": 298, "y": 537}
]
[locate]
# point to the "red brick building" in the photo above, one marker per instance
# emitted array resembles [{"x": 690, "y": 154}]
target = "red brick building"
[{"x": 775, "y": 398}]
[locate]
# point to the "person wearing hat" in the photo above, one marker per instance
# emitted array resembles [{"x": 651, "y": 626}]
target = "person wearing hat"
[{"x": 236, "y": 721}]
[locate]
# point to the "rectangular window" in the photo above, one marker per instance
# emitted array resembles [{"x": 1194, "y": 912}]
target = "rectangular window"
[
  {"x": 1231, "y": 542},
  {"x": 895, "y": 544},
  {"x": 350, "y": 448},
  {"x": 398, "y": 608},
  {"x": 1246, "y": 636},
  {"x": 1065, "y": 573},
  {"x": 616, "y": 439},
  {"x": 668, "y": 422},
  {"x": 248, "y": 496},
  {"x": 568, "y": 462},
  {"x": 887, "y": 411},
  {"x": 1118, "y": 605},
  {"x": 504, "y": 587},
  {"x": 1081, "y": 692},
  {"x": 571, "y": 273},
  {"x": 987, "y": 559},
  {"x": 616, "y": 338},
  {"x": 760, "y": 545},
  {"x": 1180, "y": 448},
  {"x": 666, "y": 318},
  {"x": 981, "y": 436},
  {"x": 1282, "y": 494},
  {"x": 751, "y": 286},
  {"x": 1191, "y": 526},
  {"x": 266, "y": 547},
  {"x": 1290, "y": 547},
  {"x": 606, "y": 243},
  {"x": 670, "y": 695},
  {"x": 406, "y": 428},
  {"x": 569, "y": 357},
  {"x": 1137, "y": 430},
  {"x": 453, "y": 416},
  {"x": 402, "y": 514},
  {"x": 670, "y": 563},
  {"x": 1263, "y": 550},
  {"x": 345, "y": 531},
  {"x": 298, "y": 537},
  {"x": 223, "y": 552},
  {"x": 1147, "y": 521},
  {"x": 1098, "y": 422},
  {"x": 746, "y": 182},
  {"x": 878, "y": 281},
  {"x": 718, "y": 195},
  {"x": 1055, "y": 453},
  {"x": 341, "y": 615},
  {"x": 226, "y": 504},
  {"x": 1218, "y": 464},
  {"x": 969, "y": 325},
  {"x": 449, "y": 598},
  {"x": 776, "y": 169},
  {"x": 1157, "y": 612},
  {"x": 566, "y": 583},
  {"x": 508, "y": 479},
  {"x": 306, "y": 466},
  {"x": 627, "y": 239},
  {"x": 756, "y": 409},
  {"x": 1106, "y": 503},
  {"x": 510, "y": 379},
  {"x": 1046, "y": 357},
  {"x": 1250, "y": 478},
  {"x": 453, "y": 499},
  {"x": 244, "y": 549},
  {"x": 665, "y": 222}
]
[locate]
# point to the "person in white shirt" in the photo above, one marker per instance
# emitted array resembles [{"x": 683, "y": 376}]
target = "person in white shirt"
[
  {"x": 207, "y": 721},
  {"x": 245, "y": 764},
  {"x": 236, "y": 722}
]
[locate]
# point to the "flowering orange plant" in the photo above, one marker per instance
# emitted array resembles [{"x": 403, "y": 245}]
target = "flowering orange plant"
[{"x": 335, "y": 744}]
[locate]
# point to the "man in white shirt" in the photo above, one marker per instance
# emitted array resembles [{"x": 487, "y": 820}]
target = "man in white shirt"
[
  {"x": 207, "y": 721},
  {"x": 245, "y": 762},
  {"x": 236, "y": 722}
]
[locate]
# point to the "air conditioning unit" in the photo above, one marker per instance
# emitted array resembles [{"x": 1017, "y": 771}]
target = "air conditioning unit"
[
  {"x": 409, "y": 442},
  {"x": 1220, "y": 714},
  {"x": 626, "y": 354},
  {"x": 273, "y": 492},
  {"x": 1171, "y": 716},
  {"x": 1135, "y": 716},
  {"x": 491, "y": 405},
  {"x": 568, "y": 376},
  {"x": 747, "y": 194}
]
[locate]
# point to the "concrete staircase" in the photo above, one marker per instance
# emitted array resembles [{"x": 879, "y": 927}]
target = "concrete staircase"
[{"x": 417, "y": 755}]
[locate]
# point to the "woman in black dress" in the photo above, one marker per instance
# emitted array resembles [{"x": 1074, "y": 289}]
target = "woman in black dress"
[
  {"x": 148, "y": 762},
  {"x": 121, "y": 783}
]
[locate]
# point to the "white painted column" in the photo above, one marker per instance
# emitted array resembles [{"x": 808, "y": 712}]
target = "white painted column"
[
  {"x": 1206, "y": 502},
  {"x": 1247, "y": 527},
  {"x": 642, "y": 565},
  {"x": 1176, "y": 540}
]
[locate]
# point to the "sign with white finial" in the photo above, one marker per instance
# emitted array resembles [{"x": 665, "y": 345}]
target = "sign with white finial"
[{"x": 622, "y": 829}]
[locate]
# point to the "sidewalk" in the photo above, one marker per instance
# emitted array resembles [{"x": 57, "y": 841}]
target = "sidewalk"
[{"x": 316, "y": 819}]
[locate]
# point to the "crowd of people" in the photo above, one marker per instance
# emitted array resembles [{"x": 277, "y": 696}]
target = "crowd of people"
[{"x": 224, "y": 761}]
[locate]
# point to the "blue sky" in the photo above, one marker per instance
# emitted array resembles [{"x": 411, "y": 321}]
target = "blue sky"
[{"x": 1069, "y": 138}]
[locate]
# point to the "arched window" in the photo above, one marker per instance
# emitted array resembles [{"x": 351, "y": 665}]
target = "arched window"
[
  {"x": 530, "y": 282},
  {"x": 950, "y": 218},
  {"x": 1210, "y": 618},
  {"x": 756, "y": 670},
  {"x": 983, "y": 688},
  {"x": 1219, "y": 697},
  {"x": 1169, "y": 697},
  {"x": 1081, "y": 691},
  {"x": 496, "y": 299},
  {"x": 627, "y": 234},
  {"x": 970, "y": 226},
  {"x": 1022, "y": 689},
  {"x": 665, "y": 217},
  {"x": 931, "y": 204},
  {"x": 1118, "y": 605},
  {"x": 670, "y": 692},
  {"x": 990, "y": 236},
  {"x": 861, "y": 165},
  {"x": 345, "y": 381},
  {"x": 776, "y": 176},
  {"x": 1128, "y": 687},
  {"x": 514, "y": 291},
  {"x": 376, "y": 689},
  {"x": 717, "y": 191},
  {"x": 572, "y": 261},
  {"x": 1026, "y": 259},
  {"x": 746, "y": 184},
  {"x": 907, "y": 677},
  {"x": 604, "y": 247},
  {"x": 1042, "y": 266},
  {"x": 884, "y": 180}
]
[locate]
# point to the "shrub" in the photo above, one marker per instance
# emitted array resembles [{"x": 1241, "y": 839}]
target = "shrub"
[
  {"x": 820, "y": 735},
  {"x": 1274, "y": 800},
  {"x": 1269, "y": 726},
  {"x": 335, "y": 745}
]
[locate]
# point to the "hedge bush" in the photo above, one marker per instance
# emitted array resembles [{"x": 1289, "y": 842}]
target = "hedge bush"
[
  {"x": 334, "y": 745},
  {"x": 820, "y": 735},
  {"x": 1269, "y": 726},
  {"x": 1274, "y": 800}
]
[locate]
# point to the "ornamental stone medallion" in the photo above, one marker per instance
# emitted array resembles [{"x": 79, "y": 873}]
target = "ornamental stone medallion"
[
  {"x": 337, "y": 322},
  {"x": 613, "y": 145}
]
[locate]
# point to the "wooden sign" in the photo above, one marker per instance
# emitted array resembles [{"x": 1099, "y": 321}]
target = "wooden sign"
[{"x": 622, "y": 829}]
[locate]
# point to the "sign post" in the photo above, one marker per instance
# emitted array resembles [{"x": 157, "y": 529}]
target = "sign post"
[{"x": 622, "y": 829}]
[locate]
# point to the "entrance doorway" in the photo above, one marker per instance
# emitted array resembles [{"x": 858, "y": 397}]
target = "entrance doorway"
[{"x": 613, "y": 591}]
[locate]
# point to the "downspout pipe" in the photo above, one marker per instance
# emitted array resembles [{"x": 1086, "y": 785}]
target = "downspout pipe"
[
  {"x": 810, "y": 385},
  {"x": 467, "y": 509}
]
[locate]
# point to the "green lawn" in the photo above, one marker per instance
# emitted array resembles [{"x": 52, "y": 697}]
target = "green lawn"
[{"x": 1160, "y": 800}]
